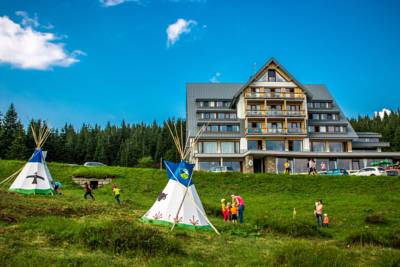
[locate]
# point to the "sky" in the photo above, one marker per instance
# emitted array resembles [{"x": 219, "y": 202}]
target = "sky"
[{"x": 99, "y": 61}]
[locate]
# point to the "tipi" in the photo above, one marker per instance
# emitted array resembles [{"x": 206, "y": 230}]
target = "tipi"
[
  {"x": 34, "y": 177},
  {"x": 179, "y": 204}
]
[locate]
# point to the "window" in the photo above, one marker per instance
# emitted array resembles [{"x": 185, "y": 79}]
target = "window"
[
  {"x": 318, "y": 146},
  {"x": 227, "y": 104},
  {"x": 235, "y": 128},
  {"x": 331, "y": 129},
  {"x": 214, "y": 128},
  {"x": 315, "y": 116},
  {"x": 219, "y": 104},
  {"x": 211, "y": 104},
  {"x": 232, "y": 165},
  {"x": 228, "y": 147},
  {"x": 271, "y": 75},
  {"x": 232, "y": 116},
  {"x": 295, "y": 145},
  {"x": 317, "y": 105},
  {"x": 322, "y": 129},
  {"x": 223, "y": 128},
  {"x": 209, "y": 147},
  {"x": 221, "y": 116},
  {"x": 310, "y": 105},
  {"x": 213, "y": 116},
  {"x": 275, "y": 145},
  {"x": 335, "y": 146},
  {"x": 254, "y": 145},
  {"x": 208, "y": 165},
  {"x": 323, "y": 116},
  {"x": 311, "y": 129}
]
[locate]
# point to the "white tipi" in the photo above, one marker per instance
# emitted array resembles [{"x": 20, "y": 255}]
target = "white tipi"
[
  {"x": 179, "y": 204},
  {"x": 35, "y": 177}
]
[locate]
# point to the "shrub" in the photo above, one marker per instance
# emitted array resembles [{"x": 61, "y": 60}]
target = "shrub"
[
  {"x": 368, "y": 237},
  {"x": 98, "y": 172},
  {"x": 145, "y": 162},
  {"x": 292, "y": 228},
  {"x": 126, "y": 237},
  {"x": 375, "y": 218}
]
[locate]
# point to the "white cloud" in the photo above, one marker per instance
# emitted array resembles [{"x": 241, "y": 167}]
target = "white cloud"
[
  {"x": 175, "y": 30},
  {"x": 26, "y": 20},
  {"x": 110, "y": 3},
  {"x": 215, "y": 78},
  {"x": 381, "y": 114},
  {"x": 24, "y": 47}
]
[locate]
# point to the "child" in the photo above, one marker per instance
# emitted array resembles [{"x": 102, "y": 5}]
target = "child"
[
  {"x": 227, "y": 212},
  {"x": 234, "y": 212},
  {"x": 223, "y": 206},
  {"x": 116, "y": 193},
  {"x": 326, "y": 220},
  {"x": 88, "y": 191}
]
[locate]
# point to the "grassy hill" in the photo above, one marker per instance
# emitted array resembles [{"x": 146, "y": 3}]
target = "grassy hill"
[{"x": 66, "y": 230}]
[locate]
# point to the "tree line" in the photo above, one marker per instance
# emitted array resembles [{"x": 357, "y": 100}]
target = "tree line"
[
  {"x": 126, "y": 144},
  {"x": 132, "y": 145},
  {"x": 388, "y": 126}
]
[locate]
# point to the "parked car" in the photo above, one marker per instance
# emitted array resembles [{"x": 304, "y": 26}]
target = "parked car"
[
  {"x": 94, "y": 164},
  {"x": 392, "y": 172},
  {"x": 335, "y": 172},
  {"x": 371, "y": 171},
  {"x": 221, "y": 169}
]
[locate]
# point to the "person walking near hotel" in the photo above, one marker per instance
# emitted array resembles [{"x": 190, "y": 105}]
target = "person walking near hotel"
[
  {"x": 287, "y": 167},
  {"x": 323, "y": 166},
  {"x": 88, "y": 191},
  {"x": 309, "y": 166},
  {"x": 238, "y": 200},
  {"x": 116, "y": 192}
]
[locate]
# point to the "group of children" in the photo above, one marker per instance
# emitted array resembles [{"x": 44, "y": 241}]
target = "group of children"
[
  {"x": 229, "y": 211},
  {"x": 115, "y": 190}
]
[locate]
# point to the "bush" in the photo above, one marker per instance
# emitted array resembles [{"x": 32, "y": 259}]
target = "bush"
[
  {"x": 292, "y": 228},
  {"x": 98, "y": 172},
  {"x": 145, "y": 162},
  {"x": 368, "y": 237},
  {"x": 375, "y": 218},
  {"x": 126, "y": 237}
]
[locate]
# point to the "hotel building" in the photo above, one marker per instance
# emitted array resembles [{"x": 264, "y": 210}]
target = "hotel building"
[{"x": 258, "y": 125}]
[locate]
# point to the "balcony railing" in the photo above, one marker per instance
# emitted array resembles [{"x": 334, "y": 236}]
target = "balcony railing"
[
  {"x": 274, "y": 95},
  {"x": 275, "y": 113},
  {"x": 258, "y": 131}
]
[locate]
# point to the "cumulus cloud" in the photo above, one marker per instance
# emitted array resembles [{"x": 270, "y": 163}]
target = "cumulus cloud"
[
  {"x": 24, "y": 47},
  {"x": 215, "y": 78},
  {"x": 110, "y": 3},
  {"x": 381, "y": 114},
  {"x": 175, "y": 30}
]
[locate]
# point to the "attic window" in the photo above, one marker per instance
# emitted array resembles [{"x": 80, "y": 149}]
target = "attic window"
[{"x": 271, "y": 75}]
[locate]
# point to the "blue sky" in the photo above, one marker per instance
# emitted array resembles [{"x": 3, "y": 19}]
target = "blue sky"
[{"x": 88, "y": 61}]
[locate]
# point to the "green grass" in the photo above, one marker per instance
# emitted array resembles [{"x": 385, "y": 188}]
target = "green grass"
[{"x": 66, "y": 230}]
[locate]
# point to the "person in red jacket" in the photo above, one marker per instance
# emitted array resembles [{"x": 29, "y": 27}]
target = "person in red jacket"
[{"x": 227, "y": 212}]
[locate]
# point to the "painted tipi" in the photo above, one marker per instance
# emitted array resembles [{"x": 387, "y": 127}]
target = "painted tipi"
[
  {"x": 34, "y": 177},
  {"x": 179, "y": 204}
]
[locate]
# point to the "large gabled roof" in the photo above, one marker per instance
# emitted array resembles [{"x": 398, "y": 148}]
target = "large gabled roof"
[{"x": 261, "y": 71}]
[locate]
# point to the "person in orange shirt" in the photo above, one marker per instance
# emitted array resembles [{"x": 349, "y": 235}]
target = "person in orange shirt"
[
  {"x": 234, "y": 213},
  {"x": 326, "y": 220}
]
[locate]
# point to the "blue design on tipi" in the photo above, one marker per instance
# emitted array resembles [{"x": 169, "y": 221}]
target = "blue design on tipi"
[
  {"x": 37, "y": 156},
  {"x": 182, "y": 172}
]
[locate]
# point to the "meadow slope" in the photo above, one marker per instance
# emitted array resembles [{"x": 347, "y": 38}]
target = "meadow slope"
[{"x": 66, "y": 230}]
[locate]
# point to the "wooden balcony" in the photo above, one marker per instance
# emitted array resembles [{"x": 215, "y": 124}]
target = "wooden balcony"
[
  {"x": 275, "y": 113},
  {"x": 273, "y": 95},
  {"x": 275, "y": 131}
]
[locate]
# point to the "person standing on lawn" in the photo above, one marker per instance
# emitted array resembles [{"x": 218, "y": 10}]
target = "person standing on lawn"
[
  {"x": 239, "y": 202},
  {"x": 318, "y": 212},
  {"x": 287, "y": 167},
  {"x": 116, "y": 192},
  {"x": 88, "y": 191}
]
